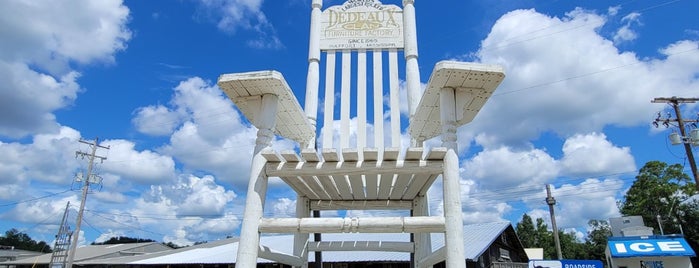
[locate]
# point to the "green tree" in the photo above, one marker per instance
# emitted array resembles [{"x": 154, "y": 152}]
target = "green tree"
[
  {"x": 659, "y": 191},
  {"x": 526, "y": 232},
  {"x": 20, "y": 240},
  {"x": 662, "y": 193},
  {"x": 596, "y": 241}
]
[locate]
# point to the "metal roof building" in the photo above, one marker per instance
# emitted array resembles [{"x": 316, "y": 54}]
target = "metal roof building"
[{"x": 485, "y": 244}]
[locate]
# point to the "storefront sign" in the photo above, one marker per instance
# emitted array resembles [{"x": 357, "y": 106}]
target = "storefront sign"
[
  {"x": 650, "y": 247},
  {"x": 566, "y": 264},
  {"x": 362, "y": 24}
]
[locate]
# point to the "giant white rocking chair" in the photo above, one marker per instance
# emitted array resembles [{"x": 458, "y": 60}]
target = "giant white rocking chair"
[{"x": 358, "y": 174}]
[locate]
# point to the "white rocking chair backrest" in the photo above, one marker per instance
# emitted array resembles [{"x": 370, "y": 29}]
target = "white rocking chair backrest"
[{"x": 359, "y": 43}]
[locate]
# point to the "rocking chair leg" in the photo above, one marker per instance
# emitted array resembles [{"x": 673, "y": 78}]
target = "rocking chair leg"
[
  {"x": 303, "y": 210},
  {"x": 257, "y": 186},
  {"x": 249, "y": 235},
  {"x": 423, "y": 245},
  {"x": 454, "y": 235}
]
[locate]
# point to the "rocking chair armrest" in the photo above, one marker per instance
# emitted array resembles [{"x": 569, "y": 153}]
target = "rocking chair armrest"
[
  {"x": 246, "y": 91},
  {"x": 473, "y": 84}
]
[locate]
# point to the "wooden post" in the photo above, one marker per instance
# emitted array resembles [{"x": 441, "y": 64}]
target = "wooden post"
[
  {"x": 303, "y": 210},
  {"x": 454, "y": 235},
  {"x": 412, "y": 70},
  {"x": 313, "y": 78},
  {"x": 257, "y": 187},
  {"x": 423, "y": 245}
]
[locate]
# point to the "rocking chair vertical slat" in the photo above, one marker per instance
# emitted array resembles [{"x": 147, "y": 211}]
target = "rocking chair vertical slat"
[
  {"x": 378, "y": 97},
  {"x": 361, "y": 99},
  {"x": 394, "y": 101},
  {"x": 345, "y": 100},
  {"x": 329, "y": 107}
]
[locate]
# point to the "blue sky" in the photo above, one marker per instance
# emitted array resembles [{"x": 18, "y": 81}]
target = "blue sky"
[{"x": 574, "y": 110}]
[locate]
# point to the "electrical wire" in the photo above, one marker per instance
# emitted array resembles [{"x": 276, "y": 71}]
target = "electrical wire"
[{"x": 33, "y": 199}]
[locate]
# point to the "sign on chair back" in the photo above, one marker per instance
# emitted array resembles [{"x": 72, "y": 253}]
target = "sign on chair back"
[{"x": 355, "y": 52}]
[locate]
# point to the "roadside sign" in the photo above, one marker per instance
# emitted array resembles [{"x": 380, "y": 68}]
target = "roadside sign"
[{"x": 565, "y": 264}]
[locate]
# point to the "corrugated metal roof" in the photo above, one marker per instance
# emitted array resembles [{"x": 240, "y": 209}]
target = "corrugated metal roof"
[
  {"x": 99, "y": 252},
  {"x": 477, "y": 238}
]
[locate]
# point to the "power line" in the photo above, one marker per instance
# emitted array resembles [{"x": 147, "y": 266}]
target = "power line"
[{"x": 33, "y": 199}]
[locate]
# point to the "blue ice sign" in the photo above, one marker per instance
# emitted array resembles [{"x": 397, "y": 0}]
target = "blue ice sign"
[
  {"x": 649, "y": 247},
  {"x": 565, "y": 264}
]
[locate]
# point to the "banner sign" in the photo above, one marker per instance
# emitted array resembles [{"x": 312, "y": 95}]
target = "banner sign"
[
  {"x": 361, "y": 24},
  {"x": 566, "y": 264},
  {"x": 649, "y": 247}
]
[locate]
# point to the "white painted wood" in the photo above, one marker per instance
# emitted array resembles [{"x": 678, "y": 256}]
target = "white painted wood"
[
  {"x": 310, "y": 155},
  {"x": 454, "y": 236},
  {"x": 391, "y": 154},
  {"x": 303, "y": 210},
  {"x": 317, "y": 188},
  {"x": 412, "y": 70},
  {"x": 371, "y": 154},
  {"x": 448, "y": 118},
  {"x": 313, "y": 76},
  {"x": 474, "y": 83},
  {"x": 350, "y": 154},
  {"x": 419, "y": 184},
  {"x": 386, "y": 181},
  {"x": 400, "y": 185},
  {"x": 345, "y": 100},
  {"x": 329, "y": 187},
  {"x": 361, "y": 204},
  {"x": 271, "y": 155},
  {"x": 437, "y": 256},
  {"x": 362, "y": 168},
  {"x": 436, "y": 153},
  {"x": 414, "y": 153},
  {"x": 378, "y": 98},
  {"x": 361, "y": 246},
  {"x": 423, "y": 241},
  {"x": 394, "y": 98},
  {"x": 246, "y": 89},
  {"x": 343, "y": 185},
  {"x": 257, "y": 186},
  {"x": 429, "y": 224},
  {"x": 329, "y": 99},
  {"x": 330, "y": 155},
  {"x": 357, "y": 185},
  {"x": 267, "y": 253},
  {"x": 372, "y": 186},
  {"x": 361, "y": 99},
  {"x": 291, "y": 156},
  {"x": 301, "y": 187}
]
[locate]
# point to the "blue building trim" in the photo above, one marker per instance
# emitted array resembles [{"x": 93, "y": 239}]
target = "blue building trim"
[{"x": 657, "y": 246}]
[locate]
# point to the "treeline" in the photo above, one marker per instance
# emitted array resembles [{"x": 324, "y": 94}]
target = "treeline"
[
  {"x": 539, "y": 236},
  {"x": 662, "y": 194},
  {"x": 18, "y": 240}
]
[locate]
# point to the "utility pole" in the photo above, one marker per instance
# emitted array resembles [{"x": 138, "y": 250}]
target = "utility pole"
[
  {"x": 686, "y": 140},
  {"x": 87, "y": 179},
  {"x": 551, "y": 202}
]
